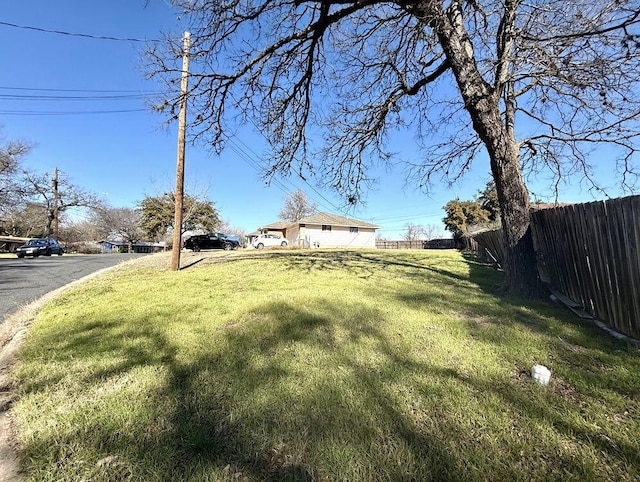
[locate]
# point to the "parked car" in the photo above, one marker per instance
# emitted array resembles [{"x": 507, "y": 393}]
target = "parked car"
[
  {"x": 269, "y": 240},
  {"x": 40, "y": 246},
  {"x": 211, "y": 241},
  {"x": 231, "y": 237}
]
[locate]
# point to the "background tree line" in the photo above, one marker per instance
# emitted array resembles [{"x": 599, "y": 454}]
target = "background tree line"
[{"x": 36, "y": 204}]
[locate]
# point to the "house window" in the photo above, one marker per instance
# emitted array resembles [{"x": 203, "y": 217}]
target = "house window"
[
  {"x": 353, "y": 229},
  {"x": 326, "y": 227}
]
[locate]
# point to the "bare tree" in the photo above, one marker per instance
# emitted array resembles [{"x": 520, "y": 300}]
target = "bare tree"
[
  {"x": 123, "y": 223},
  {"x": 12, "y": 190},
  {"x": 227, "y": 228},
  {"x": 431, "y": 231},
  {"x": 534, "y": 83},
  {"x": 413, "y": 232},
  {"x": 82, "y": 231},
  {"x": 297, "y": 206},
  {"x": 26, "y": 219},
  {"x": 39, "y": 189}
]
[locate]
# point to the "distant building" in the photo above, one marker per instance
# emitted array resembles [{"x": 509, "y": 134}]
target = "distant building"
[
  {"x": 323, "y": 230},
  {"x": 120, "y": 246}
]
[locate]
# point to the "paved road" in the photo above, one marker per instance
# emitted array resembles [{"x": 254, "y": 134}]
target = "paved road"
[{"x": 27, "y": 279}]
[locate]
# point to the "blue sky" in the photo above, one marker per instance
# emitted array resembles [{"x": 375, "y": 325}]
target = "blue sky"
[{"x": 125, "y": 155}]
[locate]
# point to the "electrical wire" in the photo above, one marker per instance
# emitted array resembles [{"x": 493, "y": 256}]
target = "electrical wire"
[
  {"x": 74, "y": 34},
  {"x": 244, "y": 152},
  {"x": 239, "y": 147},
  {"x": 249, "y": 156},
  {"x": 119, "y": 96},
  {"x": 329, "y": 203},
  {"x": 85, "y": 112},
  {"x": 72, "y": 97},
  {"x": 103, "y": 91}
]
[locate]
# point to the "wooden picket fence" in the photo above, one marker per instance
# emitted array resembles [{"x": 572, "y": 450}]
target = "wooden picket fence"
[{"x": 591, "y": 254}]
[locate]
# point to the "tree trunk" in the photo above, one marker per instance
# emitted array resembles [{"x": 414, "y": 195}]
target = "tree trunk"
[
  {"x": 50, "y": 218},
  {"x": 513, "y": 197},
  {"x": 482, "y": 101}
]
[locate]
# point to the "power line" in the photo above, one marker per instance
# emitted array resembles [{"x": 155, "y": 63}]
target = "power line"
[
  {"x": 240, "y": 148},
  {"x": 74, "y": 34},
  {"x": 408, "y": 216},
  {"x": 336, "y": 208},
  {"x": 72, "y": 97},
  {"x": 102, "y": 91},
  {"x": 329, "y": 203},
  {"x": 25, "y": 112},
  {"x": 237, "y": 145}
]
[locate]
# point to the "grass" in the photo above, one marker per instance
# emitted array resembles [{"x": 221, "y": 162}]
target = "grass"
[{"x": 321, "y": 366}]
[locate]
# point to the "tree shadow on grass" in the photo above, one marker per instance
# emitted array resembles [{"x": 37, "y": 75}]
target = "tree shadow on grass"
[
  {"x": 250, "y": 409},
  {"x": 365, "y": 264},
  {"x": 588, "y": 368},
  {"x": 311, "y": 392},
  {"x": 321, "y": 418}
]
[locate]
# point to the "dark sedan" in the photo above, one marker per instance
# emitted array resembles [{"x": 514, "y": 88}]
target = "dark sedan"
[
  {"x": 38, "y": 247},
  {"x": 211, "y": 241}
]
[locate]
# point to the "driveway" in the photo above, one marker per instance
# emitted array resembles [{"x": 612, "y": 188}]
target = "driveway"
[{"x": 25, "y": 280}]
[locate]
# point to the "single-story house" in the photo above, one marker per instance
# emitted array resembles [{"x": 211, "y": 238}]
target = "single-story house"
[
  {"x": 324, "y": 230},
  {"x": 121, "y": 246}
]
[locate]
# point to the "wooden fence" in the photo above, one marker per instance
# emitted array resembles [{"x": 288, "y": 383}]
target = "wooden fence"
[
  {"x": 417, "y": 244},
  {"x": 493, "y": 245},
  {"x": 399, "y": 244},
  {"x": 591, "y": 253}
]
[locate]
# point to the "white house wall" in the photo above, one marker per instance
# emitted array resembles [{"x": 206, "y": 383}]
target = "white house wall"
[{"x": 338, "y": 237}]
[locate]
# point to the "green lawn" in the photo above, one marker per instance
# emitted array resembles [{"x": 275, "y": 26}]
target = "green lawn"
[{"x": 301, "y": 365}]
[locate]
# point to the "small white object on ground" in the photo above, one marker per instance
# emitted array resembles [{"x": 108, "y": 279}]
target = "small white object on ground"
[{"x": 541, "y": 374}]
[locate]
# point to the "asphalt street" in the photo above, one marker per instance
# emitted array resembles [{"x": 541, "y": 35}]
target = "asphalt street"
[{"x": 25, "y": 280}]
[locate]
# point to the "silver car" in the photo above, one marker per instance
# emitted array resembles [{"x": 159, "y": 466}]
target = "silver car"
[{"x": 269, "y": 240}]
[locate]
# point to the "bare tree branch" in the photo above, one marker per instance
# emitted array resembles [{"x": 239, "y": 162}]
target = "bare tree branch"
[{"x": 537, "y": 83}]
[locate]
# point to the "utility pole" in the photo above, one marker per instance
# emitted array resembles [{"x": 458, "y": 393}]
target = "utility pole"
[
  {"x": 56, "y": 201},
  {"x": 182, "y": 121}
]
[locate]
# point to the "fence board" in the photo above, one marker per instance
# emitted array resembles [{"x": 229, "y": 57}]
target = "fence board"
[
  {"x": 633, "y": 219},
  {"x": 591, "y": 253},
  {"x": 493, "y": 242}
]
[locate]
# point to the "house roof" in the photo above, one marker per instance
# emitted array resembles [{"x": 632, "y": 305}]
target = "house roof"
[
  {"x": 335, "y": 220},
  {"x": 277, "y": 225}
]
